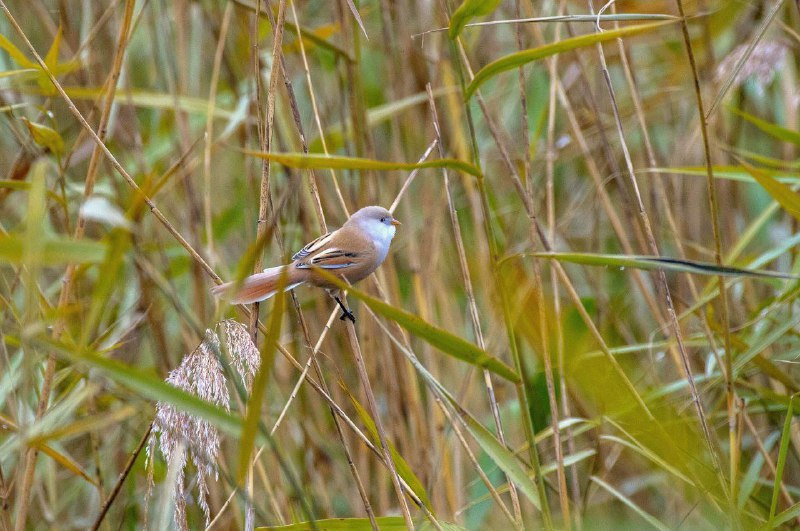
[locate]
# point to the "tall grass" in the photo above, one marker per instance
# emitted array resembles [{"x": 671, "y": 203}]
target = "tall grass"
[{"x": 587, "y": 320}]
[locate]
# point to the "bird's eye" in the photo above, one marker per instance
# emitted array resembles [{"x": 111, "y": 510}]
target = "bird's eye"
[{"x": 383, "y": 220}]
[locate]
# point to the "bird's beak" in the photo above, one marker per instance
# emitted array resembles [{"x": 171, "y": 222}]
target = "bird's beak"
[{"x": 395, "y": 222}]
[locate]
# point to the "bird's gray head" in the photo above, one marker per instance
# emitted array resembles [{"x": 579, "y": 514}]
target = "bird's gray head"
[{"x": 378, "y": 222}]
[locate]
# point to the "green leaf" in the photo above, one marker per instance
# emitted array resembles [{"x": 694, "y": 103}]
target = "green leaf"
[
  {"x": 468, "y": 10},
  {"x": 55, "y": 251},
  {"x": 400, "y": 464},
  {"x": 314, "y": 160},
  {"x": 766, "y": 339},
  {"x": 733, "y": 173},
  {"x": 67, "y": 462},
  {"x": 82, "y": 426},
  {"x": 155, "y": 100},
  {"x": 110, "y": 272},
  {"x": 254, "y": 405},
  {"x": 754, "y": 470},
  {"x": 150, "y": 386},
  {"x": 789, "y": 514},
  {"x": 443, "y": 340},
  {"x": 782, "y": 452},
  {"x": 32, "y": 245},
  {"x": 51, "y": 59},
  {"x": 16, "y": 54},
  {"x": 650, "y": 519},
  {"x": 46, "y": 137},
  {"x": 26, "y": 72},
  {"x": 290, "y": 27},
  {"x": 385, "y": 523},
  {"x": 15, "y": 185},
  {"x": 569, "y": 460},
  {"x": 661, "y": 263},
  {"x": 515, "y": 60},
  {"x": 502, "y": 457},
  {"x": 57, "y": 456},
  {"x": 774, "y": 130},
  {"x": 785, "y": 196},
  {"x": 647, "y": 453}
]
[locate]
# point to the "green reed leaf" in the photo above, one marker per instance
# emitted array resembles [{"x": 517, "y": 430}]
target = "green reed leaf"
[
  {"x": 314, "y": 160},
  {"x": 515, "y": 60},
  {"x": 443, "y": 340}
]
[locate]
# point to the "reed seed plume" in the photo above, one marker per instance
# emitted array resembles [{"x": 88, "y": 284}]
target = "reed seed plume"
[
  {"x": 243, "y": 353},
  {"x": 767, "y": 58},
  {"x": 181, "y": 435}
]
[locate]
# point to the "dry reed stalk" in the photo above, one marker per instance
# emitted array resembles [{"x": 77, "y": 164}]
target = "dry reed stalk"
[
  {"x": 323, "y": 226},
  {"x": 473, "y": 307},
  {"x": 212, "y": 100},
  {"x": 724, "y": 317},
  {"x": 550, "y": 208}
]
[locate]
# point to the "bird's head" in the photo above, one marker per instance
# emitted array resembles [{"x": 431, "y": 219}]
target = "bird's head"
[{"x": 377, "y": 222}]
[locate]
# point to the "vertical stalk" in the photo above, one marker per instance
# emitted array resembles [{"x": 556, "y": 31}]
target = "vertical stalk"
[
  {"x": 265, "y": 207},
  {"x": 519, "y": 362},
  {"x": 212, "y": 100},
  {"x": 473, "y": 308},
  {"x": 724, "y": 317},
  {"x": 373, "y": 407},
  {"x": 550, "y": 206}
]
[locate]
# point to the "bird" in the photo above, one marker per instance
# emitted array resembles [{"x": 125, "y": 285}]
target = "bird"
[{"x": 351, "y": 252}]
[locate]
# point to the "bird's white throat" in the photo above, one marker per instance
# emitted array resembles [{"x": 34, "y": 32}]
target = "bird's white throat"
[{"x": 381, "y": 235}]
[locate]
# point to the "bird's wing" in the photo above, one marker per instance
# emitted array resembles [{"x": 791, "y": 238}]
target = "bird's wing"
[
  {"x": 331, "y": 259},
  {"x": 312, "y": 247}
]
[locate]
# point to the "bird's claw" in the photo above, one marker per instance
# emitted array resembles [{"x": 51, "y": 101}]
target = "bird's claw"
[{"x": 347, "y": 314}]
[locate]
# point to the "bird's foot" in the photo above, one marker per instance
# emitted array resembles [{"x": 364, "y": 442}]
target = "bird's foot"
[{"x": 346, "y": 314}]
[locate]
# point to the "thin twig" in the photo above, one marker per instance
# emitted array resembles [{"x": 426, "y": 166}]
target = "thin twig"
[
  {"x": 441, "y": 401},
  {"x": 411, "y": 177},
  {"x": 320, "y": 131},
  {"x": 626, "y": 17},
  {"x": 123, "y": 475},
  {"x": 724, "y": 319},
  {"x": 212, "y": 101},
  {"x": 538, "y": 232},
  {"x": 520, "y": 364},
  {"x": 550, "y": 206},
  {"x": 472, "y": 305},
  {"x": 373, "y": 409},
  {"x": 110, "y": 156},
  {"x": 303, "y": 374}
]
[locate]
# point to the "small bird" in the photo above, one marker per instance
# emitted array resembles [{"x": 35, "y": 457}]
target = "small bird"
[{"x": 353, "y": 252}]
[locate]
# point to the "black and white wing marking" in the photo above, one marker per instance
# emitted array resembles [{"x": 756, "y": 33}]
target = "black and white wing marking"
[
  {"x": 331, "y": 259},
  {"x": 312, "y": 246}
]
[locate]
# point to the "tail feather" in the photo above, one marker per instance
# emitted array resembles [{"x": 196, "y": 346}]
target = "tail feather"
[{"x": 260, "y": 286}]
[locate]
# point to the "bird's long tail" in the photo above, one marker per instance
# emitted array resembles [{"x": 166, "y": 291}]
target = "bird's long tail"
[{"x": 261, "y": 285}]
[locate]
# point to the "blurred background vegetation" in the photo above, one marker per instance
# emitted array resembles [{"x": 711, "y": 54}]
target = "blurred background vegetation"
[{"x": 569, "y": 378}]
